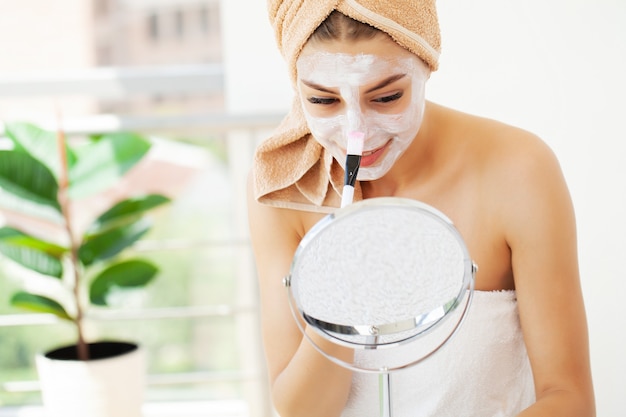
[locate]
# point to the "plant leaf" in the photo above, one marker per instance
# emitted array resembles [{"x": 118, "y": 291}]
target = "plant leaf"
[
  {"x": 32, "y": 253},
  {"x": 10, "y": 233},
  {"x": 127, "y": 211},
  {"x": 109, "y": 243},
  {"x": 101, "y": 163},
  {"x": 28, "y": 179},
  {"x": 132, "y": 273},
  {"x": 39, "y": 304},
  {"x": 39, "y": 143}
]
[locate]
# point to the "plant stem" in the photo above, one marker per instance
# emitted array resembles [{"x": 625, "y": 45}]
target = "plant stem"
[{"x": 81, "y": 346}]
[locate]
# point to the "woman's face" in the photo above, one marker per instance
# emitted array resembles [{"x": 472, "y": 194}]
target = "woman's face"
[{"x": 373, "y": 86}]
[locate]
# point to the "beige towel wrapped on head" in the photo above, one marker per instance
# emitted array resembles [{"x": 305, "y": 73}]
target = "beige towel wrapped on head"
[{"x": 291, "y": 169}]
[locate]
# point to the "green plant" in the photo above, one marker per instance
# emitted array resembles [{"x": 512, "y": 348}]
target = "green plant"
[{"x": 43, "y": 177}]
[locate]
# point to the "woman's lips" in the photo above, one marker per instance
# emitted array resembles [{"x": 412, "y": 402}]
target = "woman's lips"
[{"x": 369, "y": 158}]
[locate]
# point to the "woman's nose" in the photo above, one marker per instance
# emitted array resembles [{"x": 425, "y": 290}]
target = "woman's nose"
[{"x": 355, "y": 120}]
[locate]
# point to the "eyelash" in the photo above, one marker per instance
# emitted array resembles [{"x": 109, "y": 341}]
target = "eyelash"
[
  {"x": 329, "y": 101},
  {"x": 387, "y": 99},
  {"x": 320, "y": 100}
]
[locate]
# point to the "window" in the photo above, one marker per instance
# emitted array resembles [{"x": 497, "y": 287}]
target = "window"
[
  {"x": 153, "y": 26},
  {"x": 203, "y": 19},
  {"x": 179, "y": 23}
]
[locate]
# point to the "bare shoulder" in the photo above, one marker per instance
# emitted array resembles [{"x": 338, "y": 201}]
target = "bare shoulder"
[
  {"x": 275, "y": 233},
  {"x": 512, "y": 194},
  {"x": 278, "y": 220},
  {"x": 268, "y": 223},
  {"x": 521, "y": 185},
  {"x": 512, "y": 165},
  {"x": 498, "y": 146},
  {"x": 521, "y": 172}
]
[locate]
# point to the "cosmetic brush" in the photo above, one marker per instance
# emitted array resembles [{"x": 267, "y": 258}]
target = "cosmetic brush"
[{"x": 353, "y": 161}]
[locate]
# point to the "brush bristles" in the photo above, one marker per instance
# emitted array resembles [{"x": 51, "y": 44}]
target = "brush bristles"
[{"x": 355, "y": 143}]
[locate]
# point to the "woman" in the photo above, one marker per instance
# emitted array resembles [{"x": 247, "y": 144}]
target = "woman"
[{"x": 362, "y": 66}]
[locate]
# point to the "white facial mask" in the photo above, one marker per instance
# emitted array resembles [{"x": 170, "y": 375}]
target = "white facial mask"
[{"x": 348, "y": 74}]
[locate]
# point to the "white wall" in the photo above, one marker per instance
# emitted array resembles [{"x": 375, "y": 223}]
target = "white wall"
[
  {"x": 556, "y": 68},
  {"x": 256, "y": 79}
]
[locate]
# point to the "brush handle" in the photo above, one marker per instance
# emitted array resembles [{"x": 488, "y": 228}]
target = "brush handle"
[{"x": 347, "y": 195}]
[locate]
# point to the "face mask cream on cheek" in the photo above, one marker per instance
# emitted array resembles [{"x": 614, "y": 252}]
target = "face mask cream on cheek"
[
  {"x": 400, "y": 130},
  {"x": 387, "y": 136}
]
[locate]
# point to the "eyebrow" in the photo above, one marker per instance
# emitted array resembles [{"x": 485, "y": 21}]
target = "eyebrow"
[
  {"x": 317, "y": 87},
  {"x": 386, "y": 82},
  {"x": 378, "y": 86}
]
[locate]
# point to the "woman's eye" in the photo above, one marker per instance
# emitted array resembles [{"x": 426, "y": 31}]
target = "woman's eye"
[
  {"x": 387, "y": 99},
  {"x": 321, "y": 100}
]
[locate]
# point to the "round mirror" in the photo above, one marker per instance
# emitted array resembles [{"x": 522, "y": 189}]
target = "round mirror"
[{"x": 378, "y": 274}]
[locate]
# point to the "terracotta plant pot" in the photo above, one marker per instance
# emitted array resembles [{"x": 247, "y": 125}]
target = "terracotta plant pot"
[{"x": 110, "y": 384}]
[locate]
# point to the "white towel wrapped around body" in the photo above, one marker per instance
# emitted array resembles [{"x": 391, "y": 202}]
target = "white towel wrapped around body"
[{"x": 483, "y": 371}]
